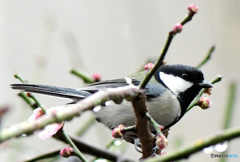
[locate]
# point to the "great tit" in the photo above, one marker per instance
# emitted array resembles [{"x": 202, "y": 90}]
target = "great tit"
[{"x": 169, "y": 93}]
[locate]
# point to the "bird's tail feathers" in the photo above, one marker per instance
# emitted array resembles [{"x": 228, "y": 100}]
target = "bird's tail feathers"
[{"x": 52, "y": 90}]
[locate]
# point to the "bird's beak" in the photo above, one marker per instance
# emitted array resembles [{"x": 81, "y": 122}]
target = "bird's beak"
[{"x": 205, "y": 84}]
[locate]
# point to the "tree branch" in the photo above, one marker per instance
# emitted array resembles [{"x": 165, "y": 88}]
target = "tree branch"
[
  {"x": 142, "y": 126},
  {"x": 89, "y": 103},
  {"x": 198, "y": 146}
]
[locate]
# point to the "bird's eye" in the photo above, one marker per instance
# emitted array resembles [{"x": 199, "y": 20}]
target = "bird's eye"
[{"x": 184, "y": 76}]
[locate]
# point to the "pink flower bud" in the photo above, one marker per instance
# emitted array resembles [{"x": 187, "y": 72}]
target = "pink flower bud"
[
  {"x": 161, "y": 142},
  {"x": 118, "y": 132},
  {"x": 67, "y": 151},
  {"x": 192, "y": 8},
  {"x": 161, "y": 127},
  {"x": 177, "y": 28},
  {"x": 36, "y": 114},
  {"x": 204, "y": 103},
  {"x": 149, "y": 66},
  {"x": 96, "y": 77}
]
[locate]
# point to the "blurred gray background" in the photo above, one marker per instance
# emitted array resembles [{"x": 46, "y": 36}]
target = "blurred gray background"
[{"x": 42, "y": 40}]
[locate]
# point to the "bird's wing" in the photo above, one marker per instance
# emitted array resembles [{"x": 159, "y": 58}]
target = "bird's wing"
[
  {"x": 94, "y": 87},
  {"x": 151, "y": 90}
]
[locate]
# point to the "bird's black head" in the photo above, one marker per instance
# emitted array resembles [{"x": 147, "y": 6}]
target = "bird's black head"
[{"x": 184, "y": 81}]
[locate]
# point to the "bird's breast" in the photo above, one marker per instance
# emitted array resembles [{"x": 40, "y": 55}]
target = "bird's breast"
[{"x": 165, "y": 109}]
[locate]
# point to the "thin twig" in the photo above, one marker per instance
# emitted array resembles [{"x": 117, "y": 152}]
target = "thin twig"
[
  {"x": 155, "y": 124},
  {"x": 19, "y": 78},
  {"x": 195, "y": 101},
  {"x": 163, "y": 53},
  {"x": 87, "y": 125},
  {"x": 32, "y": 104},
  {"x": 229, "y": 110},
  {"x": 207, "y": 57},
  {"x": 37, "y": 102},
  {"x": 91, "y": 149},
  {"x": 47, "y": 154},
  {"x": 159, "y": 62},
  {"x": 81, "y": 75},
  {"x": 24, "y": 96},
  {"x": 77, "y": 152},
  {"x": 230, "y": 105}
]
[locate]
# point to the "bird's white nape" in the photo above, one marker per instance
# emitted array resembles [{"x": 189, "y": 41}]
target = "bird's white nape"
[{"x": 175, "y": 83}]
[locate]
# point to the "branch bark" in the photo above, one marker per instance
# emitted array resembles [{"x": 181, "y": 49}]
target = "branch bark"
[{"x": 142, "y": 125}]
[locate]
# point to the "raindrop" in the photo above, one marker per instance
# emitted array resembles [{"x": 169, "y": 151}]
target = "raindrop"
[
  {"x": 221, "y": 147},
  {"x": 208, "y": 150},
  {"x": 107, "y": 103},
  {"x": 100, "y": 160},
  {"x": 117, "y": 142},
  {"x": 97, "y": 108}
]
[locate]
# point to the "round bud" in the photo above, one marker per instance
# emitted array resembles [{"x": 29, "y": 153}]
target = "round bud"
[
  {"x": 192, "y": 8},
  {"x": 177, "y": 28},
  {"x": 67, "y": 151},
  {"x": 204, "y": 103},
  {"x": 118, "y": 131},
  {"x": 96, "y": 77},
  {"x": 149, "y": 66},
  {"x": 161, "y": 142}
]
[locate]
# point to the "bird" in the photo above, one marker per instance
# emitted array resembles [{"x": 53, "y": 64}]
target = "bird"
[{"x": 168, "y": 94}]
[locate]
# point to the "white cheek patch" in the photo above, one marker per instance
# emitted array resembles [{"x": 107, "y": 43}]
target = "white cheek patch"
[{"x": 175, "y": 84}]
